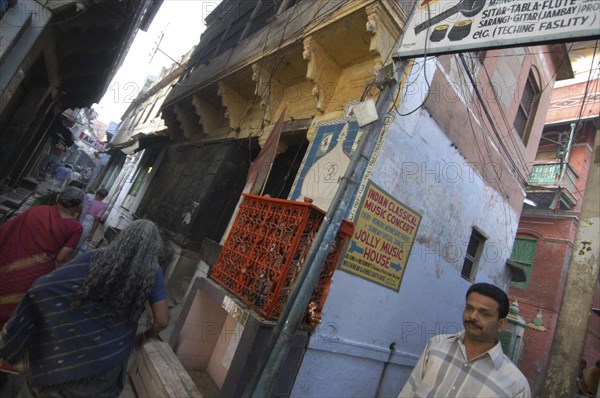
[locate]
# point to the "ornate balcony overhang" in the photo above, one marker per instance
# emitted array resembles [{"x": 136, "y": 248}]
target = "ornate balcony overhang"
[
  {"x": 550, "y": 182},
  {"x": 299, "y": 60}
]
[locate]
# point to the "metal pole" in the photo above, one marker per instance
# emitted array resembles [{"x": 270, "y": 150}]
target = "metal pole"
[
  {"x": 261, "y": 384},
  {"x": 168, "y": 56},
  {"x": 564, "y": 164},
  {"x": 565, "y": 160}
]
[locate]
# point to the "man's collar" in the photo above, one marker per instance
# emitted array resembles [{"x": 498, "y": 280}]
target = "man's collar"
[{"x": 495, "y": 353}]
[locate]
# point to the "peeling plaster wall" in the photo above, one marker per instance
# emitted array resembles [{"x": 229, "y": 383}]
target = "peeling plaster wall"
[{"x": 419, "y": 167}]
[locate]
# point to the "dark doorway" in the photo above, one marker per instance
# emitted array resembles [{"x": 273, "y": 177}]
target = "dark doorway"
[{"x": 286, "y": 165}]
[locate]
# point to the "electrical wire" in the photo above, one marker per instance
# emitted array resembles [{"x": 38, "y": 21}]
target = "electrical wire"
[
  {"x": 405, "y": 93},
  {"x": 503, "y": 191},
  {"x": 498, "y": 178},
  {"x": 509, "y": 128},
  {"x": 491, "y": 122},
  {"x": 288, "y": 173},
  {"x": 558, "y": 215},
  {"x": 277, "y": 59},
  {"x": 587, "y": 85},
  {"x": 558, "y": 68},
  {"x": 280, "y": 57},
  {"x": 424, "y": 76}
]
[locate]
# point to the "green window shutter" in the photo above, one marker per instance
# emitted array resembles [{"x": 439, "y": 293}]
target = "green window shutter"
[{"x": 523, "y": 253}]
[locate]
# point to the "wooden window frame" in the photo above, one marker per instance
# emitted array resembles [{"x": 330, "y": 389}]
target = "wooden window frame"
[
  {"x": 527, "y": 265},
  {"x": 528, "y": 109},
  {"x": 472, "y": 257}
]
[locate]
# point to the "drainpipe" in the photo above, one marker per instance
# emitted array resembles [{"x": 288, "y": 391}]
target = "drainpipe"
[
  {"x": 262, "y": 382},
  {"x": 384, "y": 370},
  {"x": 565, "y": 162},
  {"x": 564, "y": 165}
]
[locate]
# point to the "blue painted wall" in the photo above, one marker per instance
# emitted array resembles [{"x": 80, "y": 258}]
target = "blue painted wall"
[{"x": 348, "y": 352}]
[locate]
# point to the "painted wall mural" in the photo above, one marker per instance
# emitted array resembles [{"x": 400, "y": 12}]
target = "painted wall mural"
[{"x": 326, "y": 161}]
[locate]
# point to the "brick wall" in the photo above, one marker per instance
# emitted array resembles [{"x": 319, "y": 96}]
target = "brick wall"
[{"x": 545, "y": 290}]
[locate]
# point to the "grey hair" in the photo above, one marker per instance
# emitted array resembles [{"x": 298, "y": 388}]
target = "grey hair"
[
  {"x": 70, "y": 197},
  {"x": 122, "y": 273}
]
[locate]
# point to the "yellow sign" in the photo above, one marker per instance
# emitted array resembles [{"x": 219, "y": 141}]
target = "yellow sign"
[
  {"x": 426, "y": 3},
  {"x": 384, "y": 232}
]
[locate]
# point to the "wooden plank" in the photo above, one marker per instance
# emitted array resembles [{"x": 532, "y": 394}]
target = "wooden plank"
[{"x": 157, "y": 372}]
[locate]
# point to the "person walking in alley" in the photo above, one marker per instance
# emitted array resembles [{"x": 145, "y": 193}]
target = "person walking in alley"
[
  {"x": 61, "y": 175},
  {"x": 91, "y": 213},
  {"x": 470, "y": 363},
  {"x": 74, "y": 330},
  {"x": 34, "y": 243}
]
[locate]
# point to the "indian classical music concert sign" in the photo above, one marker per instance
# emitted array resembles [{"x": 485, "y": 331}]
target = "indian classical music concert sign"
[
  {"x": 384, "y": 232},
  {"x": 446, "y": 26}
]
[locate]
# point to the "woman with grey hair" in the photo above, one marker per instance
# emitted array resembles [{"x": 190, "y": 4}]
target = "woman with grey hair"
[
  {"x": 34, "y": 243},
  {"x": 92, "y": 306}
]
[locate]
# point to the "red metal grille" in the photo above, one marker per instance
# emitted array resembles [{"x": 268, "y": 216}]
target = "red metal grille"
[{"x": 265, "y": 250}]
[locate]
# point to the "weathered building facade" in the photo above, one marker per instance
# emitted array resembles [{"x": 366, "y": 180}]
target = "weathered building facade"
[
  {"x": 136, "y": 148},
  {"x": 465, "y": 175},
  {"x": 57, "y": 55},
  {"x": 548, "y": 225},
  {"x": 437, "y": 209}
]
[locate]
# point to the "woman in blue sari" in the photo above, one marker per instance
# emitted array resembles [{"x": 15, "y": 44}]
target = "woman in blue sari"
[{"x": 74, "y": 330}]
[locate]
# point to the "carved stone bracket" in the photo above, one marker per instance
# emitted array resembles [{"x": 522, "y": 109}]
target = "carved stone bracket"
[
  {"x": 210, "y": 119},
  {"x": 322, "y": 71},
  {"x": 236, "y": 106},
  {"x": 192, "y": 129},
  {"x": 263, "y": 76},
  {"x": 384, "y": 29}
]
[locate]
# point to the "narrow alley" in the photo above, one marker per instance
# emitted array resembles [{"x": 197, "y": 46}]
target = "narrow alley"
[{"x": 310, "y": 199}]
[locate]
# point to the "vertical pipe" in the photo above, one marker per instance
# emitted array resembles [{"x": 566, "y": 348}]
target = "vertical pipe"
[
  {"x": 284, "y": 332},
  {"x": 384, "y": 370}
]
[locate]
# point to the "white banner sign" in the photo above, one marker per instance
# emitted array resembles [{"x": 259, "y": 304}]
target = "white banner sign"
[{"x": 444, "y": 26}]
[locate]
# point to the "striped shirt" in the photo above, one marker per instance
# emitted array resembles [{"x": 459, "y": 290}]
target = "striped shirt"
[
  {"x": 53, "y": 342},
  {"x": 444, "y": 371}
]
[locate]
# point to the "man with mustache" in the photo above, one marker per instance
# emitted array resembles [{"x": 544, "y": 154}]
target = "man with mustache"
[{"x": 470, "y": 363}]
